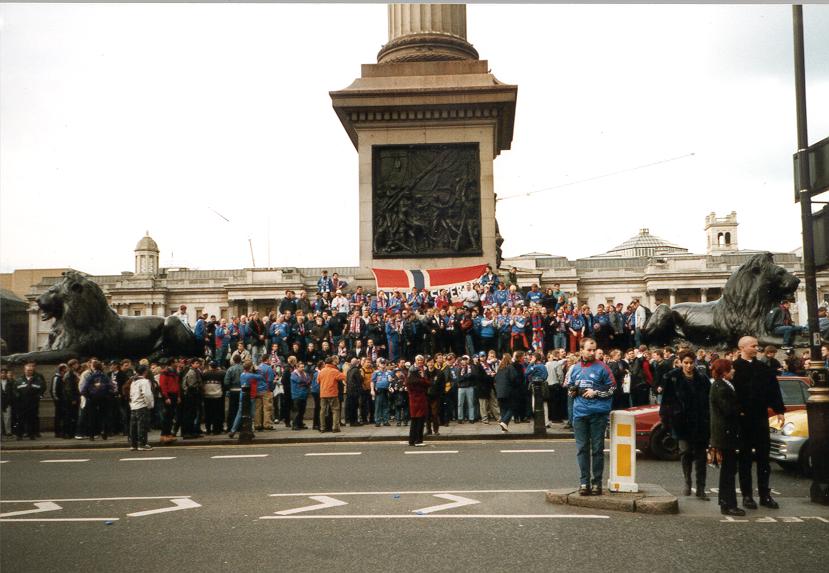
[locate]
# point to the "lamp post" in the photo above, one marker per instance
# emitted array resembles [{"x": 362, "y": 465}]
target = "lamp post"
[{"x": 817, "y": 406}]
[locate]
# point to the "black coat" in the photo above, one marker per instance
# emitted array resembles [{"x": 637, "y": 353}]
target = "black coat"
[
  {"x": 725, "y": 417},
  {"x": 685, "y": 405},
  {"x": 757, "y": 391},
  {"x": 507, "y": 382}
]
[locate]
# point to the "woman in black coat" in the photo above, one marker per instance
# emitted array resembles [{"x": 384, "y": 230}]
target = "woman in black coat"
[
  {"x": 507, "y": 386},
  {"x": 685, "y": 412},
  {"x": 725, "y": 433}
]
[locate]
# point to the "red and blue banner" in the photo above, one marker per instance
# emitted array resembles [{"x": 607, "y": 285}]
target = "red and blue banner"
[{"x": 390, "y": 280}]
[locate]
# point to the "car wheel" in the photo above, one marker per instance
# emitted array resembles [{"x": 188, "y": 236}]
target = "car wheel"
[
  {"x": 663, "y": 445},
  {"x": 804, "y": 462}
]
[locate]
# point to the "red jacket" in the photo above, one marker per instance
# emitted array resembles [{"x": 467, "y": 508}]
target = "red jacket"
[{"x": 168, "y": 382}]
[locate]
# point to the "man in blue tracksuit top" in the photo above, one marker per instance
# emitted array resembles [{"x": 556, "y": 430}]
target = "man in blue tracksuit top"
[{"x": 591, "y": 385}]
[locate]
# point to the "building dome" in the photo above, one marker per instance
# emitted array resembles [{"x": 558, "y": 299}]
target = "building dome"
[
  {"x": 147, "y": 244},
  {"x": 644, "y": 245}
]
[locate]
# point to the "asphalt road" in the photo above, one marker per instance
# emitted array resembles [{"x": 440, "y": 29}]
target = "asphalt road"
[{"x": 476, "y": 506}]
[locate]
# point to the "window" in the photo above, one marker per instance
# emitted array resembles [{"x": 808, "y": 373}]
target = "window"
[{"x": 136, "y": 313}]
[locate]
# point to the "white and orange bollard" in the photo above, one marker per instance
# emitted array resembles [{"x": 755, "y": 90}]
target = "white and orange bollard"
[{"x": 622, "y": 452}]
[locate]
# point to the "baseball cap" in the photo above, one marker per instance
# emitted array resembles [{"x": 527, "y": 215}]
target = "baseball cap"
[{"x": 482, "y": 353}]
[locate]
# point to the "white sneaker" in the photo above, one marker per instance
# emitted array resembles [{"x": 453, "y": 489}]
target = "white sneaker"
[
  {"x": 420, "y": 445},
  {"x": 133, "y": 449},
  {"x": 504, "y": 427},
  {"x": 145, "y": 448}
]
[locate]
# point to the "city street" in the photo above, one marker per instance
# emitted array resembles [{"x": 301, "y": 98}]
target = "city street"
[{"x": 464, "y": 505}]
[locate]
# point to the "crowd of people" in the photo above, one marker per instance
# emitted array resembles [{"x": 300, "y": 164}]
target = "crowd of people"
[{"x": 410, "y": 359}]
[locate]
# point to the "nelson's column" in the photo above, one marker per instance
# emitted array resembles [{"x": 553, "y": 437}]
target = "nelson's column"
[{"x": 427, "y": 119}]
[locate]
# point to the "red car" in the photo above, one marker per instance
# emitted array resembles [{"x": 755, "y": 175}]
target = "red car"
[{"x": 652, "y": 439}]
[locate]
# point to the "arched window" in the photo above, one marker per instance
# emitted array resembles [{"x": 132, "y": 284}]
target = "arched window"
[
  {"x": 719, "y": 239},
  {"x": 728, "y": 238}
]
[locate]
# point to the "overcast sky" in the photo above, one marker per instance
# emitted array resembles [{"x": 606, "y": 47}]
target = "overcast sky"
[{"x": 118, "y": 119}]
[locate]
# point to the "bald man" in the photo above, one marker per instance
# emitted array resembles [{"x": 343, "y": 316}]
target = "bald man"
[{"x": 757, "y": 390}]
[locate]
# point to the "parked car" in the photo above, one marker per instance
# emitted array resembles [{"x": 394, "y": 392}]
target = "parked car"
[
  {"x": 790, "y": 442},
  {"x": 654, "y": 440}
]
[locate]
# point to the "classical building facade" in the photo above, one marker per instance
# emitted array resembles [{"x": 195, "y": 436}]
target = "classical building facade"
[{"x": 645, "y": 267}]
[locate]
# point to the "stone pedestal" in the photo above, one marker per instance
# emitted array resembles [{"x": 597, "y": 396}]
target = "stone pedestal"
[{"x": 415, "y": 119}]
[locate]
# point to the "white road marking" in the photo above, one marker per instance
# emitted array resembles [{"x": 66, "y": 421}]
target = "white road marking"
[
  {"x": 457, "y": 501},
  {"x": 438, "y": 516},
  {"x": 431, "y": 452},
  {"x": 64, "y": 461},
  {"x": 65, "y": 519},
  {"x": 431, "y": 492},
  {"x": 179, "y": 504},
  {"x": 4, "y": 461},
  {"x": 335, "y": 454},
  {"x": 42, "y": 507},
  {"x": 93, "y": 498},
  {"x": 239, "y": 456},
  {"x": 324, "y": 500},
  {"x": 527, "y": 451},
  {"x": 147, "y": 459}
]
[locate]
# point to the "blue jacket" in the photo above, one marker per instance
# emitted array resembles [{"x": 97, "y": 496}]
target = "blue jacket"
[
  {"x": 534, "y": 297},
  {"x": 577, "y": 323},
  {"x": 325, "y": 284},
  {"x": 381, "y": 379},
  {"x": 198, "y": 331},
  {"x": 500, "y": 297},
  {"x": 299, "y": 387},
  {"x": 535, "y": 373},
  {"x": 250, "y": 378},
  {"x": 266, "y": 383},
  {"x": 592, "y": 376},
  {"x": 315, "y": 382}
]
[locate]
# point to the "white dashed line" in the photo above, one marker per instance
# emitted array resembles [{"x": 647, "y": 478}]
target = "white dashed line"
[
  {"x": 335, "y": 454},
  {"x": 64, "y": 461},
  {"x": 433, "y": 452},
  {"x": 239, "y": 456},
  {"x": 4, "y": 461},
  {"x": 146, "y": 459},
  {"x": 439, "y": 516},
  {"x": 527, "y": 451}
]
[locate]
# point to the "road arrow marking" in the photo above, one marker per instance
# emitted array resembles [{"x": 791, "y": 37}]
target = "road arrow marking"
[
  {"x": 41, "y": 507},
  {"x": 457, "y": 501},
  {"x": 324, "y": 500},
  {"x": 179, "y": 504}
]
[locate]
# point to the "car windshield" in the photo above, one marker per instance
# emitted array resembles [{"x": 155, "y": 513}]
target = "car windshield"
[{"x": 792, "y": 391}]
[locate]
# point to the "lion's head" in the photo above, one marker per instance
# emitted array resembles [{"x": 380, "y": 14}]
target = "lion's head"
[
  {"x": 77, "y": 304},
  {"x": 753, "y": 290}
]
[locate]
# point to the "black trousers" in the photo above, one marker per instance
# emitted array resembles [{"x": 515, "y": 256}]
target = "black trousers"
[
  {"x": 434, "y": 415},
  {"x": 317, "y": 408},
  {"x": 694, "y": 454},
  {"x": 189, "y": 414},
  {"x": 27, "y": 417},
  {"x": 352, "y": 402},
  {"x": 728, "y": 471},
  {"x": 60, "y": 417},
  {"x": 97, "y": 412},
  {"x": 299, "y": 405},
  {"x": 756, "y": 451},
  {"x": 416, "y": 431},
  {"x": 213, "y": 410},
  {"x": 366, "y": 410},
  {"x": 70, "y": 420}
]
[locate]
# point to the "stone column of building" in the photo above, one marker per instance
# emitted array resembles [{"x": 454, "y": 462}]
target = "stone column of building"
[
  {"x": 427, "y": 120},
  {"x": 672, "y": 296},
  {"x": 651, "y": 294},
  {"x": 703, "y": 295}
]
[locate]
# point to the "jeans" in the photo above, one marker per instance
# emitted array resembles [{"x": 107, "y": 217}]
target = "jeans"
[
  {"x": 237, "y": 422},
  {"x": 560, "y": 340},
  {"x": 139, "y": 425},
  {"x": 589, "y": 431},
  {"x": 570, "y": 409},
  {"x": 694, "y": 456},
  {"x": 381, "y": 407},
  {"x": 466, "y": 396},
  {"x": 256, "y": 352},
  {"x": 232, "y": 407},
  {"x": 788, "y": 333}
]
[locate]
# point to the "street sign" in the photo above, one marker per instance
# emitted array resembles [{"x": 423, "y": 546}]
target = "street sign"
[
  {"x": 818, "y": 160},
  {"x": 622, "y": 452}
]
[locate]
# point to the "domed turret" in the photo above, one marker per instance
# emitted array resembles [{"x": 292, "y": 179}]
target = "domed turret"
[{"x": 146, "y": 256}]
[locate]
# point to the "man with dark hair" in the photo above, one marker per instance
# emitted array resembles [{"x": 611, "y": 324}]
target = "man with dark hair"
[
  {"x": 783, "y": 325},
  {"x": 29, "y": 388},
  {"x": 757, "y": 390},
  {"x": 192, "y": 387}
]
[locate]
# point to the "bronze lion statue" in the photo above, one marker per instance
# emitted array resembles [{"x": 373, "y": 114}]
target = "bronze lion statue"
[
  {"x": 750, "y": 293},
  {"x": 85, "y": 325}
]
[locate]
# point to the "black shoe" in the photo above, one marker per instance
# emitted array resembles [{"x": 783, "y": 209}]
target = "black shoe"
[
  {"x": 376, "y": 425},
  {"x": 701, "y": 495},
  {"x": 597, "y": 490},
  {"x": 749, "y": 503},
  {"x": 231, "y": 435},
  {"x": 584, "y": 490},
  {"x": 768, "y": 501},
  {"x": 686, "y": 490},
  {"x": 733, "y": 511},
  {"x": 387, "y": 424}
]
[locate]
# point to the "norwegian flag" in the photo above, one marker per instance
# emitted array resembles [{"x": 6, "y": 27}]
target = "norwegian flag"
[{"x": 390, "y": 280}]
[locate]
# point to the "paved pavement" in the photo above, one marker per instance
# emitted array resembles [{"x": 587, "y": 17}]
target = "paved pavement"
[
  {"x": 282, "y": 435},
  {"x": 453, "y": 505}
]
